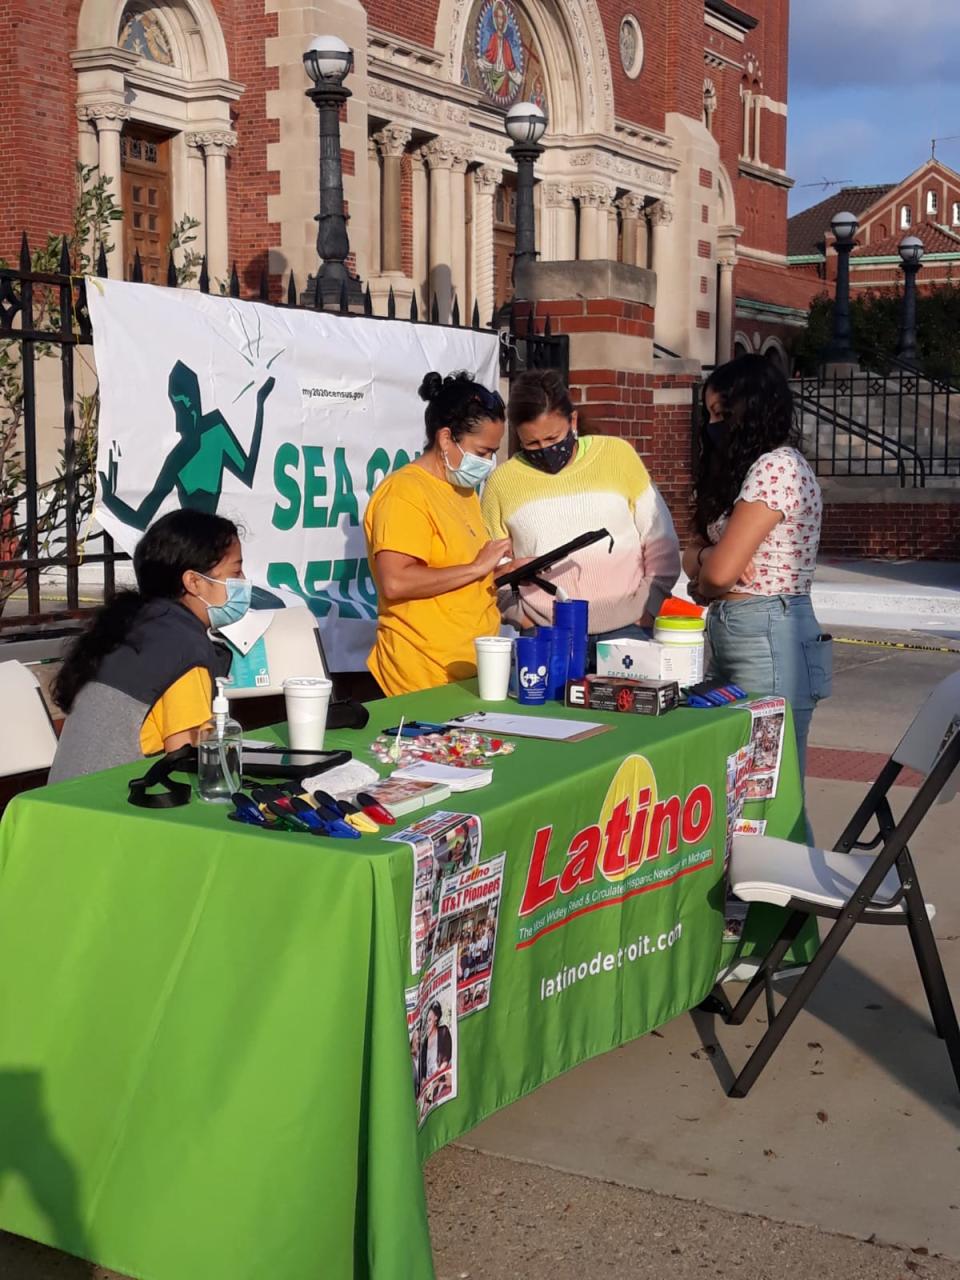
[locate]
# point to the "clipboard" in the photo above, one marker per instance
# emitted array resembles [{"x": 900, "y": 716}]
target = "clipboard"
[{"x": 543, "y": 728}]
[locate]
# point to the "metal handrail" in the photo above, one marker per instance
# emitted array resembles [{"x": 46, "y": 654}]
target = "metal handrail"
[{"x": 869, "y": 435}]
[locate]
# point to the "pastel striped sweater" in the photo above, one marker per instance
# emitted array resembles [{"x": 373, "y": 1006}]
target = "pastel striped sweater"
[{"x": 605, "y": 486}]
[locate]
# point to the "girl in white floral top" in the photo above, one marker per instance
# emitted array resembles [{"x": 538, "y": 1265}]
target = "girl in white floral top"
[{"x": 757, "y": 520}]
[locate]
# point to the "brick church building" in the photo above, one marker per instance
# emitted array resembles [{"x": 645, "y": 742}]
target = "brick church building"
[{"x": 665, "y": 148}]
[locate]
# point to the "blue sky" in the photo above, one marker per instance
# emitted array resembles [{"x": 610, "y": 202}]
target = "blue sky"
[{"x": 871, "y": 82}]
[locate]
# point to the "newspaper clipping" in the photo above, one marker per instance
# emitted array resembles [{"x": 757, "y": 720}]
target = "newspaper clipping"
[
  {"x": 766, "y": 739},
  {"x": 433, "y": 1035},
  {"x": 468, "y": 917},
  {"x": 739, "y": 768},
  {"x": 443, "y": 844}
]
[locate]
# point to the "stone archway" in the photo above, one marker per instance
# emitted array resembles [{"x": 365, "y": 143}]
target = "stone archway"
[
  {"x": 170, "y": 84},
  {"x": 577, "y": 63}
]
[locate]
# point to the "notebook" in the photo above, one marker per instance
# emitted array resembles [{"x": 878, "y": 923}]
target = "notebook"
[
  {"x": 402, "y": 794},
  {"x": 450, "y": 776}
]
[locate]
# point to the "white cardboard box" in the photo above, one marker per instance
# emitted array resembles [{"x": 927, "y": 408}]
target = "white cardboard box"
[{"x": 648, "y": 660}]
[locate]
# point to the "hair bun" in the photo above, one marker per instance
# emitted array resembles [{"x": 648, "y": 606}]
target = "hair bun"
[{"x": 431, "y": 386}]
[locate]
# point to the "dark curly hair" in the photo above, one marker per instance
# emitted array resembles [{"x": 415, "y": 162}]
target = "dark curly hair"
[
  {"x": 758, "y": 415},
  {"x": 178, "y": 541},
  {"x": 458, "y": 402}
]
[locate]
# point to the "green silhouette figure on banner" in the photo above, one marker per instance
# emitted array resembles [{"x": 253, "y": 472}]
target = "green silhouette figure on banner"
[{"x": 196, "y": 464}]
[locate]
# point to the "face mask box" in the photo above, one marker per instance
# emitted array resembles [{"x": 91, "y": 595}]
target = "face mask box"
[{"x": 648, "y": 660}]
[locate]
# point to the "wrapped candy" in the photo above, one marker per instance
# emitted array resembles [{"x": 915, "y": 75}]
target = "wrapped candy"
[{"x": 467, "y": 749}]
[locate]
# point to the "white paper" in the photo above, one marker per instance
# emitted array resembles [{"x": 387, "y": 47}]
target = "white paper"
[
  {"x": 451, "y": 776},
  {"x": 502, "y": 723}
]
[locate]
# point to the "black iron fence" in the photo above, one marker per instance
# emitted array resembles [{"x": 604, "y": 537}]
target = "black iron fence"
[
  {"x": 43, "y": 316},
  {"x": 896, "y": 424}
]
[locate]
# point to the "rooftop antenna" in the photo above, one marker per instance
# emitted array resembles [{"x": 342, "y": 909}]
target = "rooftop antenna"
[
  {"x": 953, "y": 137},
  {"x": 825, "y": 183}
]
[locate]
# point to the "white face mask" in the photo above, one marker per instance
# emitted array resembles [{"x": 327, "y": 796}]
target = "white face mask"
[{"x": 472, "y": 471}]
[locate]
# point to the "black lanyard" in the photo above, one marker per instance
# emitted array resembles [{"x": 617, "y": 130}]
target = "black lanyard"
[{"x": 183, "y": 760}]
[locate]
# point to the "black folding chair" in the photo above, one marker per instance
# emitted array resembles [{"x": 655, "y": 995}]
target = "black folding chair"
[{"x": 851, "y": 887}]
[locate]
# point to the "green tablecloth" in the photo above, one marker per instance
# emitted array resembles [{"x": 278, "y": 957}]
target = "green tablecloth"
[{"x": 205, "y": 1071}]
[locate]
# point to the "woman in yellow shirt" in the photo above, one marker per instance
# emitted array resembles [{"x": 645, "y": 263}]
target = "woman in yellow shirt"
[
  {"x": 428, "y": 550},
  {"x": 139, "y": 680}
]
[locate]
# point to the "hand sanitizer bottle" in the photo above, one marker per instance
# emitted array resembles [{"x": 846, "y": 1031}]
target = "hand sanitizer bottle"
[{"x": 219, "y": 754}]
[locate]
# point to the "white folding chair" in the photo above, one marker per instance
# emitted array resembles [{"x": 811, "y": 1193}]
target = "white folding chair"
[
  {"x": 293, "y": 647},
  {"x": 28, "y": 741},
  {"x": 852, "y": 887}
]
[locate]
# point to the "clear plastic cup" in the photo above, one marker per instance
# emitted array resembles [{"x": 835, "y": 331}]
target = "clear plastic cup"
[{"x": 307, "y": 700}]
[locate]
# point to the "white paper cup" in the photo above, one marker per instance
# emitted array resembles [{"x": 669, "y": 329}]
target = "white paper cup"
[
  {"x": 494, "y": 660},
  {"x": 307, "y": 699}
]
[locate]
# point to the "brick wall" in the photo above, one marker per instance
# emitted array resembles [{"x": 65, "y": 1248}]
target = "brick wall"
[{"x": 891, "y": 530}]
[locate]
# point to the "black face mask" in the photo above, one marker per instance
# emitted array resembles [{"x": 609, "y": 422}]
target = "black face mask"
[
  {"x": 717, "y": 433},
  {"x": 555, "y": 456}
]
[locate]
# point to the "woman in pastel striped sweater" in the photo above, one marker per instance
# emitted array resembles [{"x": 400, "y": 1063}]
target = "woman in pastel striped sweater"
[{"x": 558, "y": 485}]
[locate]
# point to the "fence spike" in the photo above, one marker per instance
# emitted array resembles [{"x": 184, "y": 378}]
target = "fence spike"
[
  {"x": 291, "y": 291},
  {"x": 367, "y": 302},
  {"x": 475, "y": 318},
  {"x": 64, "y": 267},
  {"x": 344, "y": 300},
  {"x": 435, "y": 311},
  {"x": 264, "y": 291},
  {"x": 391, "y": 305},
  {"x": 546, "y": 326},
  {"x": 204, "y": 275},
  {"x": 414, "y": 309},
  {"x": 102, "y": 261},
  {"x": 234, "y": 281},
  {"x": 318, "y": 292},
  {"x": 171, "y": 272},
  {"x": 137, "y": 275},
  {"x": 455, "y": 312},
  {"x": 24, "y": 253}
]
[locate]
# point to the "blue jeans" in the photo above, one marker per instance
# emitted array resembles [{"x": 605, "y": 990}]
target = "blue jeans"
[{"x": 773, "y": 645}]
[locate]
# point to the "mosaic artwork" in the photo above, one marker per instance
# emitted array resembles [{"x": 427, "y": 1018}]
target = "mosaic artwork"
[
  {"x": 142, "y": 34},
  {"x": 501, "y": 56}
]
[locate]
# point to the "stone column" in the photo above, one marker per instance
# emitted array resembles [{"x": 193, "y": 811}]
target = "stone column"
[
  {"x": 559, "y": 223},
  {"x": 661, "y": 219},
  {"x": 631, "y": 210},
  {"x": 391, "y": 143},
  {"x": 757, "y": 113},
  {"x": 110, "y": 117},
  {"x": 747, "y": 121},
  {"x": 196, "y": 202},
  {"x": 216, "y": 144},
  {"x": 725, "y": 304},
  {"x": 486, "y": 179},
  {"x": 439, "y": 157},
  {"x": 458, "y": 228},
  {"x": 596, "y": 200},
  {"x": 375, "y": 193},
  {"x": 421, "y": 235}
]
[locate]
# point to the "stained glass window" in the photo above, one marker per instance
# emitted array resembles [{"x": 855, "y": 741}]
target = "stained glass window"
[{"x": 141, "y": 33}]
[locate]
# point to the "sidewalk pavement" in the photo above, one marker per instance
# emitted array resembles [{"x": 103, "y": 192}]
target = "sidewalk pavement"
[{"x": 920, "y": 595}]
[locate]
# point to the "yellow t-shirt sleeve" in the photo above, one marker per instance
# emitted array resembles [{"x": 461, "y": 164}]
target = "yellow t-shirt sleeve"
[
  {"x": 399, "y": 525},
  {"x": 185, "y": 705}
]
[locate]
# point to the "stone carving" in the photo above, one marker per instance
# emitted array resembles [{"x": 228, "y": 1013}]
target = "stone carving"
[
  {"x": 104, "y": 110},
  {"x": 213, "y": 141},
  {"x": 593, "y": 195},
  {"x": 631, "y": 46},
  {"x": 660, "y": 214},
  {"x": 487, "y": 179},
  {"x": 445, "y": 153},
  {"x": 622, "y": 167},
  {"x": 631, "y": 205},
  {"x": 419, "y": 106},
  {"x": 556, "y": 195},
  {"x": 392, "y": 139}
]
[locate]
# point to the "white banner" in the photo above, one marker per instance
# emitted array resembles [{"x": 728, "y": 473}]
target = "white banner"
[{"x": 283, "y": 421}]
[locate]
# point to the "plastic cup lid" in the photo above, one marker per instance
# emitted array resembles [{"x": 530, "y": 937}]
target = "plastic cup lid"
[
  {"x": 308, "y": 684},
  {"x": 494, "y": 642},
  {"x": 679, "y": 624}
]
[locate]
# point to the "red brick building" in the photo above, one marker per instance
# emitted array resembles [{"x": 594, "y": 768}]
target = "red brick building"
[
  {"x": 665, "y": 148},
  {"x": 926, "y": 204}
]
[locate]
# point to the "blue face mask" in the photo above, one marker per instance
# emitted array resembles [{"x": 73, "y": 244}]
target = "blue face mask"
[
  {"x": 237, "y": 603},
  {"x": 472, "y": 471}
]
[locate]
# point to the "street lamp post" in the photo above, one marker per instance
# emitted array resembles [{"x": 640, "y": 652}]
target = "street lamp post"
[
  {"x": 328, "y": 61},
  {"x": 911, "y": 257},
  {"x": 525, "y": 125},
  {"x": 840, "y": 348}
]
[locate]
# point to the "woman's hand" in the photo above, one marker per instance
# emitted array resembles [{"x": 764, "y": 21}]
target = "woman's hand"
[
  {"x": 489, "y": 556},
  {"x": 748, "y": 576},
  {"x": 692, "y": 554}
]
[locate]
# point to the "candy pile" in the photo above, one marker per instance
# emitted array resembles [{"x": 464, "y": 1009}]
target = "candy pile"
[{"x": 454, "y": 748}]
